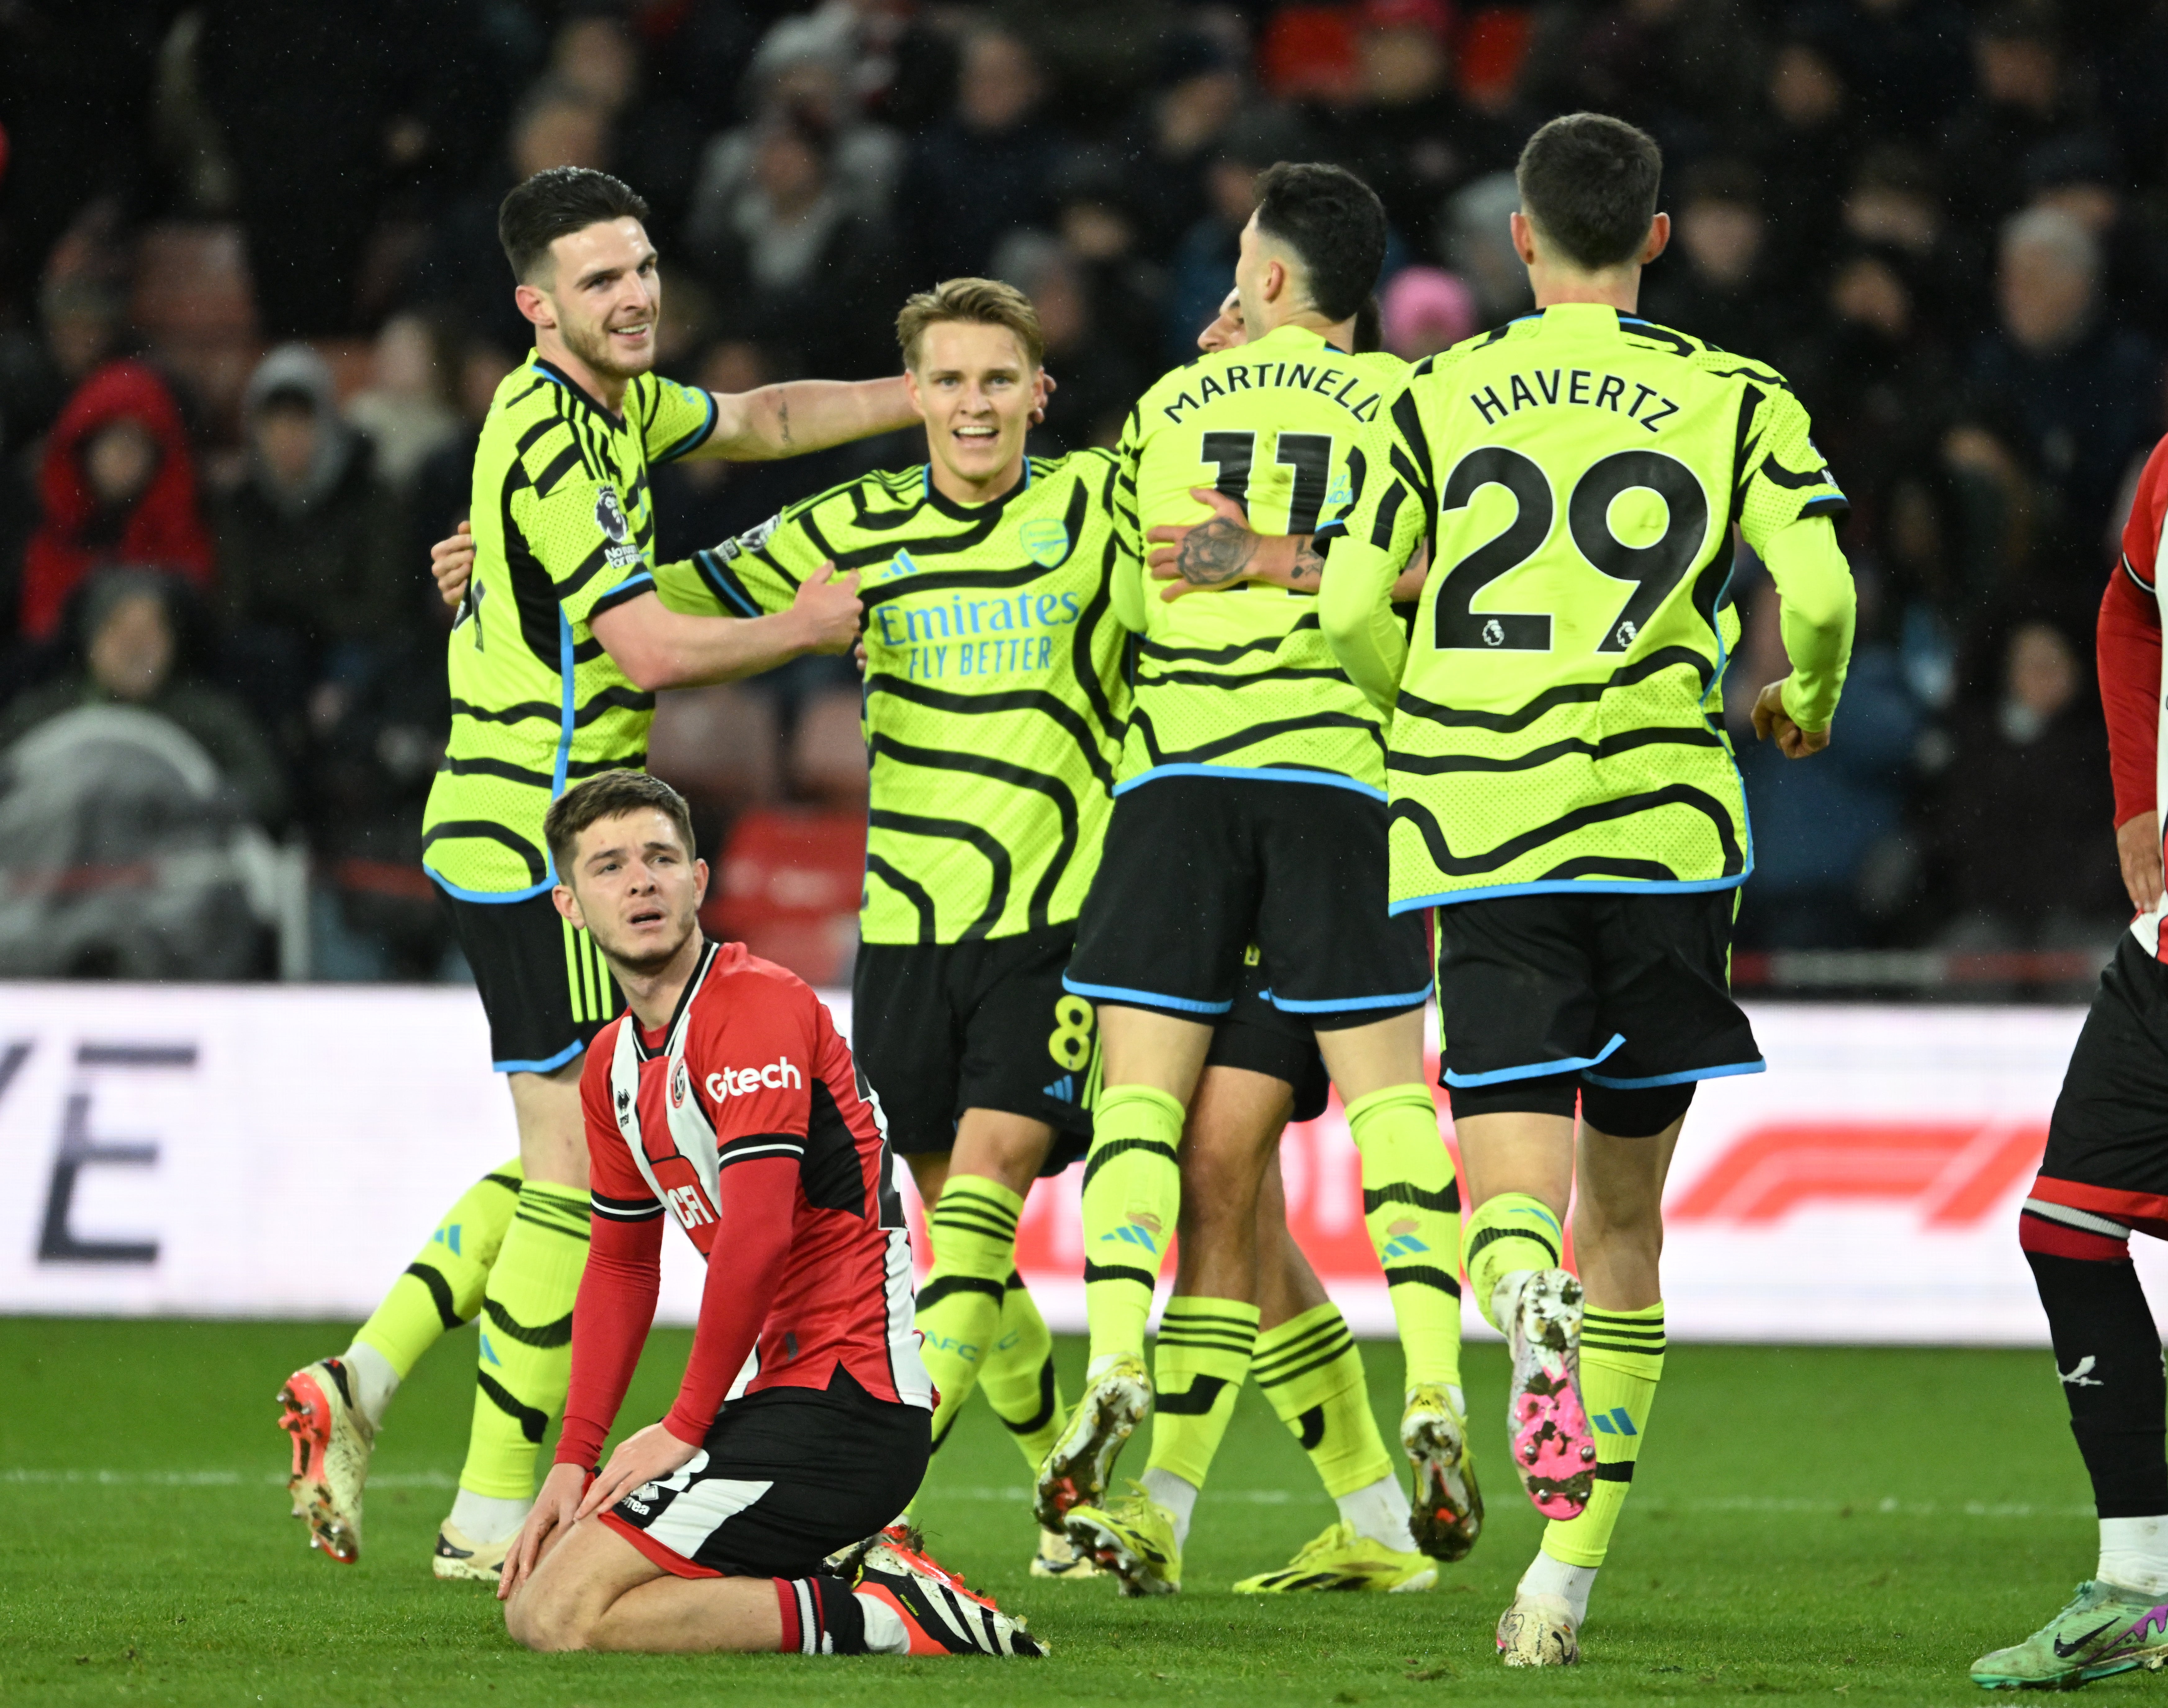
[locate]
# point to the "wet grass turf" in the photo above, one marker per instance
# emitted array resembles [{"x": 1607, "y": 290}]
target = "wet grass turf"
[{"x": 1812, "y": 1522}]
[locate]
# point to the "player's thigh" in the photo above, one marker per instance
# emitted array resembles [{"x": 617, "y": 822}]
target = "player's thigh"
[
  {"x": 585, "y": 1570},
  {"x": 553, "y": 1143},
  {"x": 1171, "y": 906},
  {"x": 1027, "y": 1049},
  {"x": 2108, "y": 1135},
  {"x": 1339, "y": 960},
  {"x": 542, "y": 982},
  {"x": 906, "y": 1037},
  {"x": 1663, "y": 985}
]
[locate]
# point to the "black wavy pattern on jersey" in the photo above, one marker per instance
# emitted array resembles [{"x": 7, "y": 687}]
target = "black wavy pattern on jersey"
[
  {"x": 912, "y": 824},
  {"x": 587, "y": 651},
  {"x": 541, "y": 779},
  {"x": 1783, "y": 476},
  {"x": 1018, "y": 776},
  {"x": 1156, "y": 650},
  {"x": 601, "y": 701},
  {"x": 1677, "y": 342},
  {"x": 940, "y": 580},
  {"x": 1565, "y": 694},
  {"x": 1747, "y": 371},
  {"x": 1579, "y": 819},
  {"x": 482, "y": 831},
  {"x": 1416, "y": 465},
  {"x": 1251, "y": 736},
  {"x": 1050, "y": 706},
  {"x": 571, "y": 457},
  {"x": 1389, "y": 515},
  {"x": 593, "y": 565},
  {"x": 1747, "y": 442},
  {"x": 1609, "y": 747},
  {"x": 1274, "y": 673},
  {"x": 1097, "y": 610},
  {"x": 921, "y": 904},
  {"x": 533, "y": 596}
]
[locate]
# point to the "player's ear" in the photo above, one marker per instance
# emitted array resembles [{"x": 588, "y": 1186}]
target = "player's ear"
[
  {"x": 1660, "y": 238},
  {"x": 1523, "y": 230},
  {"x": 568, "y": 905},
  {"x": 700, "y": 881},
  {"x": 910, "y": 388},
  {"x": 533, "y": 304}
]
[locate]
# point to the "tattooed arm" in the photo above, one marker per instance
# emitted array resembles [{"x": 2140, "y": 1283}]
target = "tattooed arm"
[
  {"x": 803, "y": 414},
  {"x": 1221, "y": 551}
]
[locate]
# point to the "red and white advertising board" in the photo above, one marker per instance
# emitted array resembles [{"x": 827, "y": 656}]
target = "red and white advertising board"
[{"x": 275, "y": 1151}]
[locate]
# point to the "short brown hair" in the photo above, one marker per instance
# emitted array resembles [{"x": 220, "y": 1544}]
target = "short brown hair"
[
  {"x": 555, "y": 203},
  {"x": 986, "y": 302},
  {"x": 1589, "y": 182},
  {"x": 610, "y": 794}
]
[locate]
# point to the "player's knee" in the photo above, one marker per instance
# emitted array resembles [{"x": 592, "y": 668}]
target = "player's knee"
[{"x": 543, "y": 1618}]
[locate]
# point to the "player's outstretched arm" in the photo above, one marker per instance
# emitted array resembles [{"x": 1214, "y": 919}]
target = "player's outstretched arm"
[
  {"x": 797, "y": 416},
  {"x": 659, "y": 648},
  {"x": 1814, "y": 584}
]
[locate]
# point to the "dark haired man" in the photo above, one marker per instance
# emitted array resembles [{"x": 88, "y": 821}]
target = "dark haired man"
[
  {"x": 1249, "y": 819},
  {"x": 554, "y": 657},
  {"x": 724, "y": 1095},
  {"x": 1563, "y": 795}
]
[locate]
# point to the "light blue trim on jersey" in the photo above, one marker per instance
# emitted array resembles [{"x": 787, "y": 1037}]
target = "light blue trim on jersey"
[
  {"x": 1756, "y": 1066},
  {"x": 699, "y": 437},
  {"x": 549, "y": 1066},
  {"x": 488, "y": 897},
  {"x": 1570, "y": 886},
  {"x": 1147, "y": 998},
  {"x": 1534, "y": 1070},
  {"x": 631, "y": 580},
  {"x": 1331, "y": 779},
  {"x": 536, "y": 367},
  {"x": 1287, "y": 1005},
  {"x": 711, "y": 567}
]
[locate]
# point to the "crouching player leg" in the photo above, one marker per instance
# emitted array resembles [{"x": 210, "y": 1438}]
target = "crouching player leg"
[{"x": 724, "y": 1096}]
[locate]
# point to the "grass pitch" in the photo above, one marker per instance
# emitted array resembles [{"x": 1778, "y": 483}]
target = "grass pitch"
[{"x": 1812, "y": 1522}]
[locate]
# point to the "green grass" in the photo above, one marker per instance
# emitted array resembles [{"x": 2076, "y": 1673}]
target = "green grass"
[{"x": 1834, "y": 1524}]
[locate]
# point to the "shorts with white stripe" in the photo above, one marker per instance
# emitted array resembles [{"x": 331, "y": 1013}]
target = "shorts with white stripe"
[{"x": 786, "y": 1476}]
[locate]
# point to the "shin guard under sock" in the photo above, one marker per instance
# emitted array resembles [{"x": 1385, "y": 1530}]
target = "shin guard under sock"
[
  {"x": 1509, "y": 1232},
  {"x": 1311, "y": 1370},
  {"x": 1132, "y": 1195},
  {"x": 1198, "y": 1362},
  {"x": 442, "y": 1288},
  {"x": 1411, "y": 1205},
  {"x": 525, "y": 1358},
  {"x": 1622, "y": 1358},
  {"x": 973, "y": 1230},
  {"x": 1018, "y": 1377}
]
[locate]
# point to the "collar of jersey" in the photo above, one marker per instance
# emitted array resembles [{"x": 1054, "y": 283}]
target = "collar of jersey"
[
  {"x": 972, "y": 512},
  {"x": 640, "y": 1044},
  {"x": 551, "y": 371},
  {"x": 1579, "y": 313},
  {"x": 1289, "y": 329}
]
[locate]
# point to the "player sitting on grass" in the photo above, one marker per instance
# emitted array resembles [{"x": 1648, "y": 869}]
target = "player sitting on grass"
[
  {"x": 724, "y": 1096},
  {"x": 2106, "y": 1174}
]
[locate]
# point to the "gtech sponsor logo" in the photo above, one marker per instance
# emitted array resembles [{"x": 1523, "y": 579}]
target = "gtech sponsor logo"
[
  {"x": 778, "y": 1075},
  {"x": 1952, "y": 1173}
]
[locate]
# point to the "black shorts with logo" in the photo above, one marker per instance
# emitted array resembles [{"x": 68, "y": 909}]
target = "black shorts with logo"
[
  {"x": 2110, "y": 1128},
  {"x": 938, "y": 1028},
  {"x": 788, "y": 1475},
  {"x": 1255, "y": 1035},
  {"x": 1547, "y": 997},
  {"x": 1198, "y": 870},
  {"x": 544, "y": 984}
]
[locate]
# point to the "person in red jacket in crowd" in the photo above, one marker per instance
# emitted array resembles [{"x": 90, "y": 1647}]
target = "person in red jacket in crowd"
[
  {"x": 118, "y": 485},
  {"x": 724, "y": 1096}
]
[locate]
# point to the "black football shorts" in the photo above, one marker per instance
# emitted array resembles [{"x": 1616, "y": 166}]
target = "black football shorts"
[
  {"x": 1255, "y": 1035},
  {"x": 938, "y": 1028},
  {"x": 788, "y": 1475},
  {"x": 1198, "y": 870},
  {"x": 2107, "y": 1140},
  {"x": 1622, "y": 1000},
  {"x": 544, "y": 984}
]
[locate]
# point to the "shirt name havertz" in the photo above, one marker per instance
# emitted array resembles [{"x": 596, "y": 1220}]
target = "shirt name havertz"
[
  {"x": 1575, "y": 385},
  {"x": 778, "y": 1075}
]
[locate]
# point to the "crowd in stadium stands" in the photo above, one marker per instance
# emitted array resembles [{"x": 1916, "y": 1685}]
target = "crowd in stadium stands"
[{"x": 253, "y": 307}]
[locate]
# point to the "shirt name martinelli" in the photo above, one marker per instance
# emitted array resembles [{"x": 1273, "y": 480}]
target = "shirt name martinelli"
[
  {"x": 1573, "y": 385},
  {"x": 1323, "y": 378}
]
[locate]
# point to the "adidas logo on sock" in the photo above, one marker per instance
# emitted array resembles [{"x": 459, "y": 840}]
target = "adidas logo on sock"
[
  {"x": 1063, "y": 1090},
  {"x": 1403, "y": 1245},
  {"x": 1614, "y": 1422}
]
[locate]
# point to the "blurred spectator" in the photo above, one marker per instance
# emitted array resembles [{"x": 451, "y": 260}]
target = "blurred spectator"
[
  {"x": 117, "y": 485},
  {"x": 1203, "y": 264},
  {"x": 1908, "y": 59},
  {"x": 406, "y": 410},
  {"x": 2024, "y": 97},
  {"x": 1097, "y": 381},
  {"x": 1713, "y": 283},
  {"x": 442, "y": 491},
  {"x": 1803, "y": 147},
  {"x": 1479, "y": 246},
  {"x": 1168, "y": 149},
  {"x": 1100, "y": 231},
  {"x": 986, "y": 168},
  {"x": 1424, "y": 310},
  {"x": 311, "y": 589},
  {"x": 655, "y": 138}
]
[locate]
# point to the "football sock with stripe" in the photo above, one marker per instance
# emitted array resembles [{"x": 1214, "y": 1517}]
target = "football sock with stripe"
[
  {"x": 1411, "y": 1205},
  {"x": 525, "y": 1359},
  {"x": 1622, "y": 1359},
  {"x": 1311, "y": 1370},
  {"x": 1131, "y": 1194},
  {"x": 820, "y": 1616},
  {"x": 1017, "y": 1376},
  {"x": 1509, "y": 1233},
  {"x": 973, "y": 1229},
  {"x": 440, "y": 1290},
  {"x": 1199, "y": 1362}
]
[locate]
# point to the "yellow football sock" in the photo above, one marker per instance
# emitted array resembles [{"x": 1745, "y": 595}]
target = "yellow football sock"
[
  {"x": 526, "y": 1355},
  {"x": 1311, "y": 1369},
  {"x": 442, "y": 1288},
  {"x": 1411, "y": 1205},
  {"x": 1132, "y": 1195},
  {"x": 1622, "y": 1358},
  {"x": 1198, "y": 1362},
  {"x": 973, "y": 1229},
  {"x": 1018, "y": 1378},
  {"x": 1510, "y": 1232}
]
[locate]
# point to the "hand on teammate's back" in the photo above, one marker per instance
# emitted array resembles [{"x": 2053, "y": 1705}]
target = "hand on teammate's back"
[
  {"x": 1771, "y": 719},
  {"x": 555, "y": 1509},
  {"x": 828, "y": 604},
  {"x": 2138, "y": 846},
  {"x": 1218, "y": 552},
  {"x": 451, "y": 561}
]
